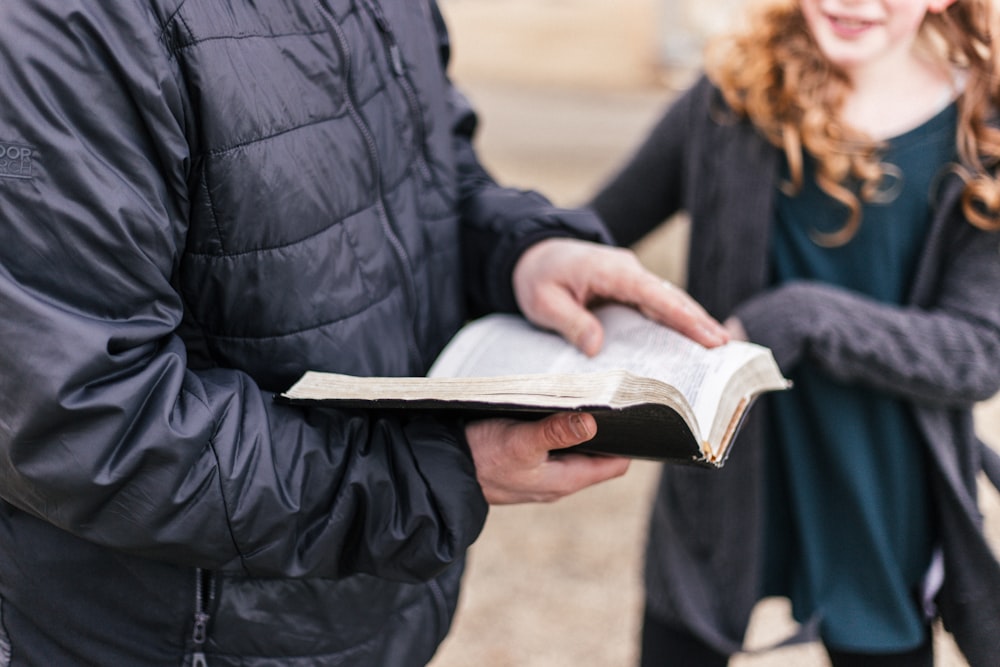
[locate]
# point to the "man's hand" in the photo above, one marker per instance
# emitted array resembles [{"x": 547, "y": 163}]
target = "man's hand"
[
  {"x": 556, "y": 279},
  {"x": 514, "y": 464}
]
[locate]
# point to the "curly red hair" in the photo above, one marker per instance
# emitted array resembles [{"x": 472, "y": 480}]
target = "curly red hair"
[{"x": 773, "y": 73}]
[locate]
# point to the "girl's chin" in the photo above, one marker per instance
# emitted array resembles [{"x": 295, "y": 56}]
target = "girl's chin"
[{"x": 845, "y": 55}]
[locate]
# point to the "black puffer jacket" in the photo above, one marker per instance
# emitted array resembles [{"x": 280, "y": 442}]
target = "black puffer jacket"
[{"x": 199, "y": 201}]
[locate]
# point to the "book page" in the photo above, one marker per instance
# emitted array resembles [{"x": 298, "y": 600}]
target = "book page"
[{"x": 508, "y": 344}]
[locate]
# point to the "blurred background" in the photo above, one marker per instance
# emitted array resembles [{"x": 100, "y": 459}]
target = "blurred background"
[{"x": 565, "y": 90}]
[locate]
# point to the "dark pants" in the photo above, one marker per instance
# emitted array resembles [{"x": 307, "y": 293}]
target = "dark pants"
[{"x": 664, "y": 646}]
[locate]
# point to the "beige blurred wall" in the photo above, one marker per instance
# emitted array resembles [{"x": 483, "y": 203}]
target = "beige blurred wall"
[{"x": 564, "y": 43}]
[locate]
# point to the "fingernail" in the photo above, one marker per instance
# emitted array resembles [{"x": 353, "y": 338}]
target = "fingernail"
[
  {"x": 589, "y": 341},
  {"x": 715, "y": 335},
  {"x": 580, "y": 427}
]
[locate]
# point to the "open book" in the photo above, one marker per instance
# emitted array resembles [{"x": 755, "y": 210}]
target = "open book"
[{"x": 655, "y": 393}]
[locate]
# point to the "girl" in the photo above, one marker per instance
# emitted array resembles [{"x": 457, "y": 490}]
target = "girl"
[{"x": 837, "y": 163}]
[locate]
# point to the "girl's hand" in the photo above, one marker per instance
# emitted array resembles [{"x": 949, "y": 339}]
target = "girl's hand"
[{"x": 735, "y": 328}]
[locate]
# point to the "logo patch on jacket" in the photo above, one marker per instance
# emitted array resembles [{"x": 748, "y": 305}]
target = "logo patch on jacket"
[{"x": 15, "y": 160}]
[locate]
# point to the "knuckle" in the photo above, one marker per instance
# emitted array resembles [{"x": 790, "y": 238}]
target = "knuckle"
[{"x": 554, "y": 430}]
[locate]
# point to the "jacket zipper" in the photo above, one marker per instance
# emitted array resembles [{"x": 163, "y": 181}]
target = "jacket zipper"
[
  {"x": 402, "y": 257},
  {"x": 399, "y": 70},
  {"x": 204, "y": 592}
]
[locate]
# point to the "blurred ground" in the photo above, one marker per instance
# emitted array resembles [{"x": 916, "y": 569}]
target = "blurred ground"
[{"x": 565, "y": 89}]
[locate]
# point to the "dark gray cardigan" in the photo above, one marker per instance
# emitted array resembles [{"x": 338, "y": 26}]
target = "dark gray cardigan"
[{"x": 940, "y": 352}]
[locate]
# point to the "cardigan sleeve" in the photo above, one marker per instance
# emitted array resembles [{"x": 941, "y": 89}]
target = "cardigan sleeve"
[
  {"x": 648, "y": 188},
  {"x": 945, "y": 351}
]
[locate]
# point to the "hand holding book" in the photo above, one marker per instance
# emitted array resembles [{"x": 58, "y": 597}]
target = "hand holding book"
[
  {"x": 532, "y": 461},
  {"x": 654, "y": 392}
]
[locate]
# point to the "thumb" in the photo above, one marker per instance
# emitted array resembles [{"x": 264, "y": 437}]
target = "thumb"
[
  {"x": 573, "y": 322},
  {"x": 567, "y": 429}
]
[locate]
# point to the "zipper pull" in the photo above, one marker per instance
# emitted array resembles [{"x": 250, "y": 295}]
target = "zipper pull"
[
  {"x": 203, "y": 594},
  {"x": 199, "y": 634},
  {"x": 395, "y": 56}
]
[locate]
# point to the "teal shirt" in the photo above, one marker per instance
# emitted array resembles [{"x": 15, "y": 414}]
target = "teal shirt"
[{"x": 849, "y": 523}]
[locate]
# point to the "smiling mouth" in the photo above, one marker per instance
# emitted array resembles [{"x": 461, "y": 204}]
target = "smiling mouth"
[{"x": 849, "y": 26}]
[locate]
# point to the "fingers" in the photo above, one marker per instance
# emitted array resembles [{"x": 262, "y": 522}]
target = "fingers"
[
  {"x": 575, "y": 472},
  {"x": 514, "y": 465},
  {"x": 559, "y": 431},
  {"x": 564, "y": 315},
  {"x": 669, "y": 305},
  {"x": 557, "y": 279},
  {"x": 551, "y": 293},
  {"x": 628, "y": 281}
]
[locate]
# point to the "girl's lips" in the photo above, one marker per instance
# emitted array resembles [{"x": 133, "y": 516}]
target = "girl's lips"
[{"x": 845, "y": 26}]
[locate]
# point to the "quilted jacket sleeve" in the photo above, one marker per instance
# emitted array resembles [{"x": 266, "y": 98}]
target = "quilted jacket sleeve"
[{"x": 104, "y": 430}]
